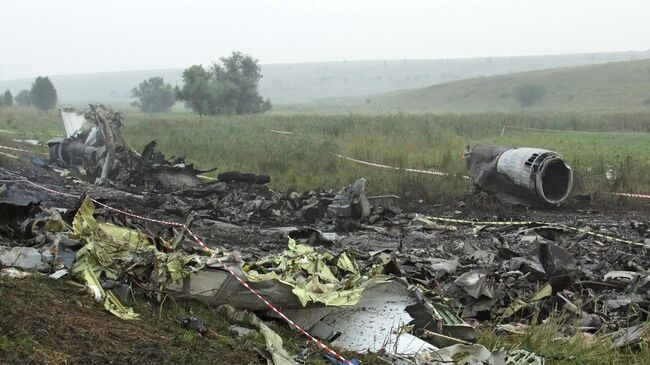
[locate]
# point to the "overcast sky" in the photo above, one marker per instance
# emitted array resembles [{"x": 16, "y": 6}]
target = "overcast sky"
[{"x": 67, "y": 37}]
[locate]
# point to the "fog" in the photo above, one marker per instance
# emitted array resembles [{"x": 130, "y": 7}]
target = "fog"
[{"x": 69, "y": 37}]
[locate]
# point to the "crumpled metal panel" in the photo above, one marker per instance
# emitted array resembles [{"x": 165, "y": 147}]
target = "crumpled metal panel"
[{"x": 72, "y": 122}]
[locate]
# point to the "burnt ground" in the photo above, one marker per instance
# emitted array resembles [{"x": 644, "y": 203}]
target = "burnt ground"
[{"x": 516, "y": 260}]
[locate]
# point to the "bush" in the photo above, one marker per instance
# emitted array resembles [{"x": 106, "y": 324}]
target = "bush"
[
  {"x": 229, "y": 87},
  {"x": 154, "y": 96},
  {"x": 528, "y": 94}
]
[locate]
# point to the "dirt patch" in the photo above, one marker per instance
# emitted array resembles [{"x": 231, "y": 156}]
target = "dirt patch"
[{"x": 51, "y": 322}]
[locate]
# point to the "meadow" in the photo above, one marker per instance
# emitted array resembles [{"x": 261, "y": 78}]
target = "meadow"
[{"x": 613, "y": 157}]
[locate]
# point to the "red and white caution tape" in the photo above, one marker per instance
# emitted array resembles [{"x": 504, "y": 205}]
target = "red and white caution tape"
[
  {"x": 564, "y": 131},
  {"x": 418, "y": 171},
  {"x": 633, "y": 195},
  {"x": 206, "y": 249},
  {"x": 16, "y": 149}
]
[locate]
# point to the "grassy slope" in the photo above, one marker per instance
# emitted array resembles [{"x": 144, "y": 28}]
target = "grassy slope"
[
  {"x": 304, "y": 82},
  {"x": 616, "y": 86}
]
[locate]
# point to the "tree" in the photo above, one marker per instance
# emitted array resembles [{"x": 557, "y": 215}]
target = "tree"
[
  {"x": 43, "y": 94},
  {"x": 7, "y": 99},
  {"x": 154, "y": 95},
  {"x": 23, "y": 98},
  {"x": 196, "y": 91},
  {"x": 528, "y": 94},
  {"x": 228, "y": 87}
]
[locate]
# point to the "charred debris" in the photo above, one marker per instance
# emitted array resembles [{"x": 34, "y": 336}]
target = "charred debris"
[
  {"x": 95, "y": 148},
  {"x": 354, "y": 270}
]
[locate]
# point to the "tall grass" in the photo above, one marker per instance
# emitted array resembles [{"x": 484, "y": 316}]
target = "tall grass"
[{"x": 306, "y": 160}]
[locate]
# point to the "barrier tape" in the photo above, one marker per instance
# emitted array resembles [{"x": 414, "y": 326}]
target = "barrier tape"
[
  {"x": 564, "y": 131},
  {"x": 428, "y": 172},
  {"x": 15, "y": 149},
  {"x": 633, "y": 195},
  {"x": 530, "y": 223},
  {"x": 206, "y": 249}
]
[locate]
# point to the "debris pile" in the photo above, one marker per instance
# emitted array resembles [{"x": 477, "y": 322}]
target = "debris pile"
[
  {"x": 95, "y": 148},
  {"x": 354, "y": 271}
]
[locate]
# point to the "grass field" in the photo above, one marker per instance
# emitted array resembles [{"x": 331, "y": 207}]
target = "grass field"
[{"x": 306, "y": 160}]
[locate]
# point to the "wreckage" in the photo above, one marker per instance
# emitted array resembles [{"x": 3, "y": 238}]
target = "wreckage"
[
  {"x": 520, "y": 175},
  {"x": 95, "y": 147},
  {"x": 353, "y": 270},
  {"x": 400, "y": 283}
]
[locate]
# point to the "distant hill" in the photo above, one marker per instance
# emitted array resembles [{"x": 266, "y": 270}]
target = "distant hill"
[
  {"x": 614, "y": 86},
  {"x": 307, "y": 82}
]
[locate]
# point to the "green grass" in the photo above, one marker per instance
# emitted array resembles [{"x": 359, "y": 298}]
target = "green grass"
[
  {"x": 306, "y": 159},
  {"x": 560, "y": 344}
]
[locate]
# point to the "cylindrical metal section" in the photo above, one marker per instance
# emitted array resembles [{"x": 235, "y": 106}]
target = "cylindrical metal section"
[{"x": 540, "y": 171}]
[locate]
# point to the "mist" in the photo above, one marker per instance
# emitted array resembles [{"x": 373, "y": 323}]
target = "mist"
[{"x": 72, "y": 37}]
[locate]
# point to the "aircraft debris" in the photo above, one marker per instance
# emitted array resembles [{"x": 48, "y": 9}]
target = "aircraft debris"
[
  {"x": 403, "y": 283},
  {"x": 95, "y": 148},
  {"x": 520, "y": 175}
]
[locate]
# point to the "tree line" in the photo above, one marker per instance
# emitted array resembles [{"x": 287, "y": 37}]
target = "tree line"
[
  {"x": 225, "y": 87},
  {"x": 42, "y": 95},
  {"x": 228, "y": 86}
]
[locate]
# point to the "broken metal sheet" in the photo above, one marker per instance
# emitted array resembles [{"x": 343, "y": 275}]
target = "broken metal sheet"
[
  {"x": 72, "y": 121},
  {"x": 375, "y": 323},
  {"x": 443, "y": 267},
  {"x": 520, "y": 175},
  {"x": 26, "y": 258},
  {"x": 530, "y": 266},
  {"x": 559, "y": 265},
  {"x": 216, "y": 287},
  {"x": 476, "y": 284}
]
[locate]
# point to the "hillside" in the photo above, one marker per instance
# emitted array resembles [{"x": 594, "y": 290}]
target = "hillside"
[
  {"x": 615, "y": 86},
  {"x": 307, "y": 82}
]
